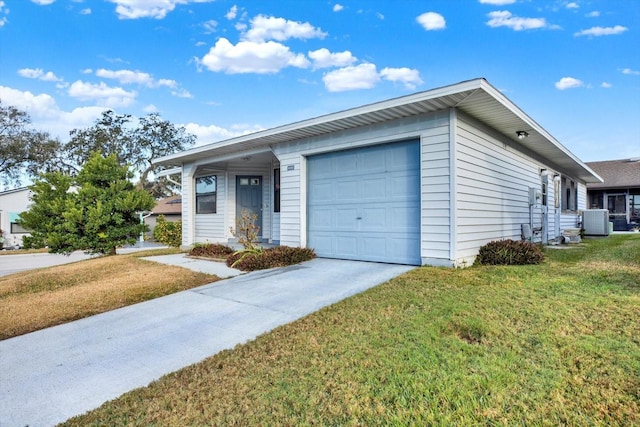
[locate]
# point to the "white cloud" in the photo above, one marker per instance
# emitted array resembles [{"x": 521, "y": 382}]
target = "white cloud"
[
  {"x": 363, "y": 76},
  {"x": 150, "y": 109},
  {"x": 568, "y": 83},
  {"x": 432, "y": 21},
  {"x": 210, "y": 26},
  {"x": 37, "y": 73},
  {"x": 606, "y": 85},
  {"x": 181, "y": 93},
  {"x": 102, "y": 94},
  {"x": 265, "y": 28},
  {"x": 3, "y": 11},
  {"x": 232, "y": 13},
  {"x": 251, "y": 57},
  {"x": 337, "y": 7},
  {"x": 504, "y": 18},
  {"x": 158, "y": 9},
  {"x": 43, "y": 2},
  {"x": 497, "y": 2},
  {"x": 46, "y": 115},
  {"x": 323, "y": 58},
  {"x": 631, "y": 72},
  {"x": 86, "y": 11},
  {"x": 593, "y": 14},
  {"x": 213, "y": 133},
  {"x": 135, "y": 77},
  {"x": 572, "y": 5},
  {"x": 408, "y": 77},
  {"x": 601, "y": 31}
]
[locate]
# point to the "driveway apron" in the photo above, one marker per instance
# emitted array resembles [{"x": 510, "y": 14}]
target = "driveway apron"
[{"x": 51, "y": 375}]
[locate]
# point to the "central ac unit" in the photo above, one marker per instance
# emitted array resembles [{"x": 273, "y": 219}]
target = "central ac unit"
[{"x": 595, "y": 222}]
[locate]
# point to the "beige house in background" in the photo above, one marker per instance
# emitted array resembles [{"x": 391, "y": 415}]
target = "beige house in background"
[{"x": 170, "y": 207}]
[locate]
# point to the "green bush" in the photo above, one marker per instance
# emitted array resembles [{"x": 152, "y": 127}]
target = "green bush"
[
  {"x": 279, "y": 256},
  {"x": 167, "y": 232},
  {"x": 211, "y": 250},
  {"x": 33, "y": 242},
  {"x": 509, "y": 252}
]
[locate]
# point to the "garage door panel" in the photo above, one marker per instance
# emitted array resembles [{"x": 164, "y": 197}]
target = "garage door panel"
[
  {"x": 322, "y": 191},
  {"x": 346, "y": 190},
  {"x": 346, "y": 246},
  {"x": 375, "y": 188},
  {"x": 372, "y": 211},
  {"x": 346, "y": 218}
]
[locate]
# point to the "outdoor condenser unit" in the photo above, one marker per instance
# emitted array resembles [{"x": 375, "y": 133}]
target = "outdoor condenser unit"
[{"x": 595, "y": 222}]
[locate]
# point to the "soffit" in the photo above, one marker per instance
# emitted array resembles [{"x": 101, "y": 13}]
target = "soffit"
[{"x": 476, "y": 97}]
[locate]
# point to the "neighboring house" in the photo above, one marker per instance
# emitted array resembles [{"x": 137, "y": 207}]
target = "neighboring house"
[
  {"x": 619, "y": 193},
  {"x": 12, "y": 204},
  {"x": 170, "y": 207},
  {"x": 422, "y": 179}
]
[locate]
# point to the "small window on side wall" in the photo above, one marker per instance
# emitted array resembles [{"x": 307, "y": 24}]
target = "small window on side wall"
[
  {"x": 206, "y": 187},
  {"x": 276, "y": 190}
]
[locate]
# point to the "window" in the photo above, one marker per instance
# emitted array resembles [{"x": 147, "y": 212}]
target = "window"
[
  {"x": 276, "y": 190},
  {"x": 569, "y": 195},
  {"x": 206, "y": 194},
  {"x": 18, "y": 229}
]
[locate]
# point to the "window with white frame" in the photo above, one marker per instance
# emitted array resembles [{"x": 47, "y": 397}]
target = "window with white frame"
[{"x": 206, "y": 189}]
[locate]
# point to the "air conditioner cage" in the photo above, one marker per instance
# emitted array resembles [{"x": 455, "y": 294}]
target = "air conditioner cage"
[{"x": 595, "y": 222}]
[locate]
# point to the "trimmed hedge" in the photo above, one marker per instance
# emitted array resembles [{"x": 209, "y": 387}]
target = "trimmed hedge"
[
  {"x": 211, "y": 250},
  {"x": 509, "y": 252},
  {"x": 279, "y": 256}
]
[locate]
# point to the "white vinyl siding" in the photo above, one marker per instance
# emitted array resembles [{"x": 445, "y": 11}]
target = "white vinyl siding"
[
  {"x": 432, "y": 128},
  {"x": 210, "y": 227},
  {"x": 435, "y": 195},
  {"x": 492, "y": 189}
]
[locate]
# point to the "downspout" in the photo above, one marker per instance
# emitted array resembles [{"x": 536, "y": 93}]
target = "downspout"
[{"x": 453, "y": 195}]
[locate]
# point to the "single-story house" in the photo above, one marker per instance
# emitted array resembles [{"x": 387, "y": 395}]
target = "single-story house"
[
  {"x": 424, "y": 179},
  {"x": 12, "y": 204},
  {"x": 170, "y": 207},
  {"x": 619, "y": 193}
]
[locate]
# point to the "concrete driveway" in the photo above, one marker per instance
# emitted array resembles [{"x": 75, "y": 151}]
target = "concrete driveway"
[
  {"x": 51, "y": 375},
  {"x": 15, "y": 263}
]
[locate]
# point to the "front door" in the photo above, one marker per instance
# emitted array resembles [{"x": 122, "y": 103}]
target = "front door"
[{"x": 249, "y": 197}]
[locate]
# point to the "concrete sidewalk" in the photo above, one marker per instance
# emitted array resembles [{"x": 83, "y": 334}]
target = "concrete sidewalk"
[{"x": 51, "y": 375}]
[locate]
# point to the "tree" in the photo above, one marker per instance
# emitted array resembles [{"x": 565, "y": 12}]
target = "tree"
[
  {"x": 97, "y": 211},
  {"x": 132, "y": 145},
  {"x": 23, "y": 151}
]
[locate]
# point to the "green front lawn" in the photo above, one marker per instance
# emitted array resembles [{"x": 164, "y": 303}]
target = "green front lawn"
[{"x": 553, "y": 344}]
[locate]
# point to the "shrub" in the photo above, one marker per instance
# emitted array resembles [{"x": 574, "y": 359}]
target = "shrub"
[
  {"x": 167, "y": 232},
  {"x": 279, "y": 256},
  {"x": 211, "y": 250},
  {"x": 509, "y": 252},
  {"x": 246, "y": 229}
]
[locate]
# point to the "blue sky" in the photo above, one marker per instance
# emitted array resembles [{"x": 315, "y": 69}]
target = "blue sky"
[{"x": 223, "y": 68}]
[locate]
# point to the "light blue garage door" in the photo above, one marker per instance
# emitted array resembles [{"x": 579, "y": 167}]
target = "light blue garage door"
[{"x": 364, "y": 203}]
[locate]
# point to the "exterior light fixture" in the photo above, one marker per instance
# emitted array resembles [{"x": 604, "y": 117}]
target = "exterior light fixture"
[{"x": 522, "y": 134}]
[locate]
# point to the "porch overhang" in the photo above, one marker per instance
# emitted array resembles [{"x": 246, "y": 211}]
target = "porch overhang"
[{"x": 477, "y": 98}]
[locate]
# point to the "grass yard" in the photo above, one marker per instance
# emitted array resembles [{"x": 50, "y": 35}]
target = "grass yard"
[
  {"x": 554, "y": 344},
  {"x": 41, "y": 298}
]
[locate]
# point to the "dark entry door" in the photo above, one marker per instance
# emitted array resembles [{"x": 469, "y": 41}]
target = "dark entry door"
[{"x": 249, "y": 196}]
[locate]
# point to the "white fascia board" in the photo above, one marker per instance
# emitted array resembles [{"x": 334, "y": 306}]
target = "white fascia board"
[
  {"x": 167, "y": 172},
  {"x": 498, "y": 96},
  {"x": 328, "y": 118}
]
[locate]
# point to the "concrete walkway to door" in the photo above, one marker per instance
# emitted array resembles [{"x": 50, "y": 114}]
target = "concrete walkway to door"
[{"x": 51, "y": 375}]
